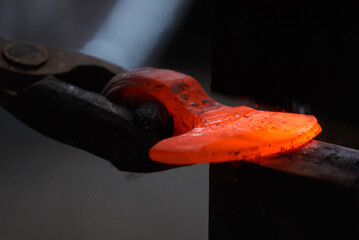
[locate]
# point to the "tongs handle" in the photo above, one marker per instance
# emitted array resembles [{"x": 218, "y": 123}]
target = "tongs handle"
[{"x": 85, "y": 120}]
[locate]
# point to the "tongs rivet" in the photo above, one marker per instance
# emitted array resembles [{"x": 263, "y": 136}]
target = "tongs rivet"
[{"x": 25, "y": 54}]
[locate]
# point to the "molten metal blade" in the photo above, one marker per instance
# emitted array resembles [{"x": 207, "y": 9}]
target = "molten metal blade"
[
  {"x": 254, "y": 134},
  {"x": 207, "y": 131}
]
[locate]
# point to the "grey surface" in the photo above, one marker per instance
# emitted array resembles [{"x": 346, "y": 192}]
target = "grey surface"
[
  {"x": 53, "y": 191},
  {"x": 125, "y": 32}
]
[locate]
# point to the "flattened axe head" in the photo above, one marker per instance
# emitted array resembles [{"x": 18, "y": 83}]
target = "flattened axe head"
[{"x": 206, "y": 131}]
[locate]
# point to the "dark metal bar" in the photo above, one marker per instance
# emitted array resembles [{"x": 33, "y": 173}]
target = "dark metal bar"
[
  {"x": 319, "y": 160},
  {"x": 88, "y": 121}
]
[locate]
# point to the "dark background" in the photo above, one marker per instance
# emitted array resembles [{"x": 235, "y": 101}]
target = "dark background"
[{"x": 297, "y": 56}]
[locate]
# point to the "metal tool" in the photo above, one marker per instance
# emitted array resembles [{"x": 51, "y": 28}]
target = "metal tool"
[
  {"x": 56, "y": 92},
  {"x": 206, "y": 131},
  {"x": 58, "y": 95}
]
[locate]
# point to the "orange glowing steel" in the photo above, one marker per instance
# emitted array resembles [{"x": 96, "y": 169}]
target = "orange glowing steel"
[{"x": 206, "y": 131}]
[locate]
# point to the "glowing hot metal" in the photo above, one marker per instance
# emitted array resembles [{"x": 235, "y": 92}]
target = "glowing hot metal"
[{"x": 206, "y": 131}]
